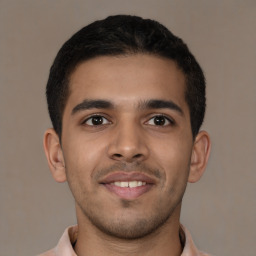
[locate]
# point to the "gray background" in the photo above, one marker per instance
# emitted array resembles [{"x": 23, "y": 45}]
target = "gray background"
[{"x": 219, "y": 210}]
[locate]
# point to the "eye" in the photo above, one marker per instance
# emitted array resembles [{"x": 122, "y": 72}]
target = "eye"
[
  {"x": 160, "y": 120},
  {"x": 96, "y": 120}
]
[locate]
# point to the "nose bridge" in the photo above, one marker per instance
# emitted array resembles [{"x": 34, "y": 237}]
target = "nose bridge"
[{"x": 128, "y": 142}]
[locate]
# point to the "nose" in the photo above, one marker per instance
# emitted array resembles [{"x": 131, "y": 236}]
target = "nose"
[{"x": 128, "y": 143}]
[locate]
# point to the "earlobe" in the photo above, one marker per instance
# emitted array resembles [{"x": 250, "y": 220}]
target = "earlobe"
[
  {"x": 200, "y": 156},
  {"x": 54, "y": 155}
]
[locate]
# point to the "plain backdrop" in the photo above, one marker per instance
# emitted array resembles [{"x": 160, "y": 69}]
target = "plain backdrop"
[{"x": 220, "y": 209}]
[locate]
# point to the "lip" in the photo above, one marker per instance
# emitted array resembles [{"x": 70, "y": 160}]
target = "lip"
[
  {"x": 124, "y": 176},
  {"x": 127, "y": 192}
]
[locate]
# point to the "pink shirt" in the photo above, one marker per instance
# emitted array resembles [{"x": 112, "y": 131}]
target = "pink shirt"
[{"x": 65, "y": 248}]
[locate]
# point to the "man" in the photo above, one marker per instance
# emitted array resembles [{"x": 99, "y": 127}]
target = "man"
[{"x": 126, "y": 99}]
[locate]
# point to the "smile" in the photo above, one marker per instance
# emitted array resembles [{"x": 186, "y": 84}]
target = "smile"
[{"x": 129, "y": 184}]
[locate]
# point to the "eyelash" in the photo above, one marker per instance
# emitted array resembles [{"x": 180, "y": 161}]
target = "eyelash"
[
  {"x": 96, "y": 116},
  {"x": 170, "y": 122},
  {"x": 168, "y": 119}
]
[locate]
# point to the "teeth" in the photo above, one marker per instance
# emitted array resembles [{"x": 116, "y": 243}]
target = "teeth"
[
  {"x": 133, "y": 184},
  {"x": 124, "y": 184},
  {"x": 140, "y": 183},
  {"x": 130, "y": 184}
]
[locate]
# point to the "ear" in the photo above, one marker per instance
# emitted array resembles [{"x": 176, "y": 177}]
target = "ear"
[
  {"x": 200, "y": 156},
  {"x": 54, "y": 155}
]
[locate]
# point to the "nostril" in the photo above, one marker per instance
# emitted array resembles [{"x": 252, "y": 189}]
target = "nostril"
[
  {"x": 138, "y": 156},
  {"x": 118, "y": 155}
]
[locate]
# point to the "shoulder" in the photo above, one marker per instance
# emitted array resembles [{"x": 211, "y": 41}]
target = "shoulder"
[
  {"x": 204, "y": 254},
  {"x": 48, "y": 253},
  {"x": 64, "y": 246},
  {"x": 190, "y": 248}
]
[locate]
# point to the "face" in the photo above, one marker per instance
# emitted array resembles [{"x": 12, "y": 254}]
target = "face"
[{"x": 127, "y": 143}]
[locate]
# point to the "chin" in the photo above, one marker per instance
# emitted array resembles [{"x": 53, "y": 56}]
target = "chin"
[{"x": 128, "y": 227}]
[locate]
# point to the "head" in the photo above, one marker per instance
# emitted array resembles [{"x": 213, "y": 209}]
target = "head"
[
  {"x": 126, "y": 98},
  {"x": 124, "y": 35}
]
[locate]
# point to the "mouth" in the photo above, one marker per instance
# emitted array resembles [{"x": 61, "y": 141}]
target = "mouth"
[{"x": 128, "y": 186}]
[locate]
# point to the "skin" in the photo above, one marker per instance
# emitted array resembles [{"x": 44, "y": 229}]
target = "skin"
[{"x": 128, "y": 139}]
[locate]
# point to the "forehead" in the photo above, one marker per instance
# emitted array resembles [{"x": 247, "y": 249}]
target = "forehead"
[{"x": 127, "y": 79}]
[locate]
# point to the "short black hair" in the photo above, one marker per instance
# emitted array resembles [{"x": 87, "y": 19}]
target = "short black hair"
[{"x": 124, "y": 35}]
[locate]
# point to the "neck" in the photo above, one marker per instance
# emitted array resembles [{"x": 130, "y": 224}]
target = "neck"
[{"x": 164, "y": 241}]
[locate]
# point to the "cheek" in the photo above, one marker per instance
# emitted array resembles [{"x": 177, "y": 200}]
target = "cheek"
[
  {"x": 173, "y": 157},
  {"x": 80, "y": 163},
  {"x": 82, "y": 158},
  {"x": 80, "y": 149},
  {"x": 172, "y": 152}
]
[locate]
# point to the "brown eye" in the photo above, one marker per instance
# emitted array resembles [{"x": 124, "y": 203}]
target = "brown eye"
[
  {"x": 96, "y": 120},
  {"x": 160, "y": 120}
]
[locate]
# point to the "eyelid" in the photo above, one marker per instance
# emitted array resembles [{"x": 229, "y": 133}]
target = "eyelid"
[
  {"x": 96, "y": 115},
  {"x": 168, "y": 118}
]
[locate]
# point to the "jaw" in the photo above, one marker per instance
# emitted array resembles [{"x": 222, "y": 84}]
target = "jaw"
[{"x": 130, "y": 239}]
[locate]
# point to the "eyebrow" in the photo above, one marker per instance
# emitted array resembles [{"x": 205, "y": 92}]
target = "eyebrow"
[
  {"x": 157, "y": 104},
  {"x": 89, "y": 104},
  {"x": 144, "y": 104}
]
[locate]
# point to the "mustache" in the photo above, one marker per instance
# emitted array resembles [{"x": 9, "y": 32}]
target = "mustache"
[{"x": 128, "y": 167}]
